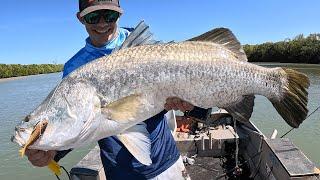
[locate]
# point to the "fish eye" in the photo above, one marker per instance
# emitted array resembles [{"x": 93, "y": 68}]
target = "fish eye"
[{"x": 27, "y": 118}]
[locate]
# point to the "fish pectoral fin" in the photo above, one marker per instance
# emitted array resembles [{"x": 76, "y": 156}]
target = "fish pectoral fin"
[
  {"x": 139, "y": 36},
  {"x": 126, "y": 109},
  {"x": 242, "y": 110},
  {"x": 137, "y": 141}
]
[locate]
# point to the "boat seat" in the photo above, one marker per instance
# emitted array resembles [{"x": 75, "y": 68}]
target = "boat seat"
[{"x": 290, "y": 156}]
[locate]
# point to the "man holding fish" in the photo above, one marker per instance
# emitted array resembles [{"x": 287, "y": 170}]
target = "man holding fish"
[
  {"x": 115, "y": 94},
  {"x": 100, "y": 19}
]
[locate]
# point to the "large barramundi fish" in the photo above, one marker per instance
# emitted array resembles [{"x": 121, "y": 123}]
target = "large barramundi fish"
[{"x": 114, "y": 94}]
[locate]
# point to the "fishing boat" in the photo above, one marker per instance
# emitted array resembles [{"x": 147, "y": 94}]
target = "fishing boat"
[{"x": 219, "y": 147}]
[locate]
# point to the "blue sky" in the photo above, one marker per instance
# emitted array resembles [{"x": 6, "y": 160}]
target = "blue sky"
[{"x": 47, "y": 31}]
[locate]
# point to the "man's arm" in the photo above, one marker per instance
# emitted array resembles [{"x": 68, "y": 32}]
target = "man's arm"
[{"x": 186, "y": 107}]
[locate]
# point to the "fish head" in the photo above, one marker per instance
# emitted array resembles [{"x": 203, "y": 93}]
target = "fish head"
[{"x": 72, "y": 112}]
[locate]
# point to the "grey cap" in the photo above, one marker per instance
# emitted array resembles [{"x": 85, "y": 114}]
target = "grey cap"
[{"x": 88, "y": 6}]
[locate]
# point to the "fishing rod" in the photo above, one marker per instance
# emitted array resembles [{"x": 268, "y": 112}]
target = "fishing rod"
[{"x": 306, "y": 118}]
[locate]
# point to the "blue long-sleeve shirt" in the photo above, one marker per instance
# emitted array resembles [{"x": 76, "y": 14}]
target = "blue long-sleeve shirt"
[{"x": 118, "y": 163}]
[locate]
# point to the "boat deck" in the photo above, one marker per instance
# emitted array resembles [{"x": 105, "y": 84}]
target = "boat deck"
[
  {"x": 205, "y": 167},
  {"x": 212, "y": 153}
]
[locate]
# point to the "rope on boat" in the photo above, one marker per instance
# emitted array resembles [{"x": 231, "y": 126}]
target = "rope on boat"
[
  {"x": 306, "y": 118},
  {"x": 254, "y": 174},
  {"x": 237, "y": 142},
  {"x": 245, "y": 162}
]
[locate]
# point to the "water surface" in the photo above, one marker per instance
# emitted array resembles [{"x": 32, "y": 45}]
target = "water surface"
[{"x": 20, "y": 96}]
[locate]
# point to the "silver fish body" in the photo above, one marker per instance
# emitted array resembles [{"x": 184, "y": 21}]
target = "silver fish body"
[
  {"x": 203, "y": 74},
  {"x": 114, "y": 93}
]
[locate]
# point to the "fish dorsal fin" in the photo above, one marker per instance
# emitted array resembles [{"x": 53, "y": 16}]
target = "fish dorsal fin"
[
  {"x": 224, "y": 37},
  {"x": 139, "y": 36},
  {"x": 137, "y": 141}
]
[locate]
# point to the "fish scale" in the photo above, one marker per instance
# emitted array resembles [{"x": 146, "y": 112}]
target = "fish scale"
[{"x": 140, "y": 68}]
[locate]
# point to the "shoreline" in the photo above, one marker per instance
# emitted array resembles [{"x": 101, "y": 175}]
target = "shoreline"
[
  {"x": 11, "y": 78},
  {"x": 21, "y": 77}
]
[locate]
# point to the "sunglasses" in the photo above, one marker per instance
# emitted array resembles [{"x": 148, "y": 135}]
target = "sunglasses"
[{"x": 94, "y": 17}]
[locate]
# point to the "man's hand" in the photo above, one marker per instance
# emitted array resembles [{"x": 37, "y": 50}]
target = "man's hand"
[
  {"x": 177, "y": 104},
  {"x": 40, "y": 158}
]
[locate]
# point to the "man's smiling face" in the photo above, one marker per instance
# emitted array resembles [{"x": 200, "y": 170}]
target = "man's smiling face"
[{"x": 101, "y": 26}]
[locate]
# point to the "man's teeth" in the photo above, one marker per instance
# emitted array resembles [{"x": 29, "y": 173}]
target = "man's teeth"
[{"x": 102, "y": 31}]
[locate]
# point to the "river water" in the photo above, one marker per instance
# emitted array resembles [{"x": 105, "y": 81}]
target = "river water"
[{"x": 19, "y": 96}]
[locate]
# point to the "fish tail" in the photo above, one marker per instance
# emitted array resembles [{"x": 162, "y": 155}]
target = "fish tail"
[{"x": 293, "y": 104}]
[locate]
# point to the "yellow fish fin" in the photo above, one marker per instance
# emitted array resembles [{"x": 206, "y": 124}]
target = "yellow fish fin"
[{"x": 126, "y": 109}]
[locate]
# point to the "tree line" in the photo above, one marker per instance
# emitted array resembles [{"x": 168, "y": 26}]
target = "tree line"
[
  {"x": 297, "y": 50},
  {"x": 15, "y": 70}
]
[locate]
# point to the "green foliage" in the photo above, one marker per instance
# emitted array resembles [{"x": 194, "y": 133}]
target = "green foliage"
[
  {"x": 15, "y": 70},
  {"x": 298, "y": 50}
]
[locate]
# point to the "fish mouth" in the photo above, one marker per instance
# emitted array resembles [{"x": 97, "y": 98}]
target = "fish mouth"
[
  {"x": 23, "y": 134},
  {"x": 18, "y": 138},
  {"x": 26, "y": 138}
]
